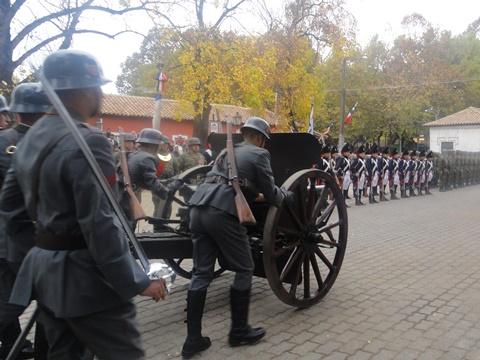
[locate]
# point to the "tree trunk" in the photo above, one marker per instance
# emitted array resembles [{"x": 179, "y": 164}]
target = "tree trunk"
[{"x": 201, "y": 124}]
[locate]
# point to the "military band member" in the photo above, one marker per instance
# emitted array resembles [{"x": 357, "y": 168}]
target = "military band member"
[
  {"x": 28, "y": 105},
  {"x": 216, "y": 230},
  {"x": 342, "y": 167},
  {"x": 412, "y": 172},
  {"x": 420, "y": 173},
  {"x": 428, "y": 171},
  {"x": 372, "y": 173},
  {"x": 358, "y": 170},
  {"x": 403, "y": 173},
  {"x": 333, "y": 160},
  {"x": 325, "y": 161},
  {"x": 81, "y": 267},
  {"x": 393, "y": 178},
  {"x": 193, "y": 157},
  {"x": 382, "y": 165}
]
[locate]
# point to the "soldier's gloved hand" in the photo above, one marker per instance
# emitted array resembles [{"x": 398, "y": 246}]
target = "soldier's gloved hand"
[
  {"x": 174, "y": 185},
  {"x": 157, "y": 290},
  {"x": 289, "y": 197}
]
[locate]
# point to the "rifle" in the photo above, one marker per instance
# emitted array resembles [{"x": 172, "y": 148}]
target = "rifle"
[
  {"x": 135, "y": 207},
  {"x": 245, "y": 215}
]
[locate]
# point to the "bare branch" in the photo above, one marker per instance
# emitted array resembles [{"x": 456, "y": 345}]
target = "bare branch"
[
  {"x": 227, "y": 12},
  {"x": 80, "y": 9},
  {"x": 45, "y": 42},
  {"x": 15, "y": 7}
]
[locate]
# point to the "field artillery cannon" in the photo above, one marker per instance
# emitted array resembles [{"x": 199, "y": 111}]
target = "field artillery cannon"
[{"x": 299, "y": 246}]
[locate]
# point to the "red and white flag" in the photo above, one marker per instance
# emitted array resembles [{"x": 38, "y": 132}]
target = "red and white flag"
[{"x": 348, "y": 118}]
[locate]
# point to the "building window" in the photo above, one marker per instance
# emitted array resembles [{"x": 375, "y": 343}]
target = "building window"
[{"x": 447, "y": 146}]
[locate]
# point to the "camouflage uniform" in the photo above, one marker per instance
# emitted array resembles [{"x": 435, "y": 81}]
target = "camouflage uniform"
[{"x": 189, "y": 159}]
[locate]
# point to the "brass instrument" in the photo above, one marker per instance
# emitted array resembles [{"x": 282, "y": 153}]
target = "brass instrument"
[
  {"x": 10, "y": 150},
  {"x": 165, "y": 158}
]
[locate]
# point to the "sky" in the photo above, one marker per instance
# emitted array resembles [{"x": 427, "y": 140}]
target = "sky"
[{"x": 381, "y": 17}]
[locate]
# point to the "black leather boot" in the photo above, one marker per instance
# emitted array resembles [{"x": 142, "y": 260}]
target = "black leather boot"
[
  {"x": 241, "y": 333},
  {"x": 195, "y": 342}
]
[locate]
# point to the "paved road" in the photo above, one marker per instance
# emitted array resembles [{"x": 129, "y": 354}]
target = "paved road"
[{"x": 408, "y": 289}]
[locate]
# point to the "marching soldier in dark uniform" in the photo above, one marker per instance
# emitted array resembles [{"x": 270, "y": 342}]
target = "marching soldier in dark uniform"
[
  {"x": 420, "y": 172},
  {"x": 216, "y": 230},
  {"x": 358, "y": 175},
  {"x": 4, "y": 118},
  {"x": 80, "y": 268},
  {"x": 382, "y": 166},
  {"x": 28, "y": 105},
  {"x": 403, "y": 173},
  {"x": 428, "y": 172},
  {"x": 372, "y": 173},
  {"x": 342, "y": 168},
  {"x": 412, "y": 171},
  {"x": 325, "y": 161},
  {"x": 393, "y": 179}
]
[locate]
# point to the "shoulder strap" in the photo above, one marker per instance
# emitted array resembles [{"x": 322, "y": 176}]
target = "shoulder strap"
[{"x": 35, "y": 174}]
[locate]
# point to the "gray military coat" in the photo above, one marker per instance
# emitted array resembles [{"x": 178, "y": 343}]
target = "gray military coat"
[{"x": 50, "y": 174}]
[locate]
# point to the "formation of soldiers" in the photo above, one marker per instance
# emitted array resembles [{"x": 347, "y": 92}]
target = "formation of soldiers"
[
  {"x": 374, "y": 172},
  {"x": 457, "y": 169}
]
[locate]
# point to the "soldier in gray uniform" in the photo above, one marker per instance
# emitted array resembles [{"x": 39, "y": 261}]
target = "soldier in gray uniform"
[
  {"x": 28, "y": 105},
  {"x": 216, "y": 231},
  {"x": 80, "y": 268},
  {"x": 4, "y": 118}
]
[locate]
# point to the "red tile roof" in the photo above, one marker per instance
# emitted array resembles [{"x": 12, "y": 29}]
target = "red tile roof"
[
  {"x": 468, "y": 116},
  {"x": 140, "y": 106}
]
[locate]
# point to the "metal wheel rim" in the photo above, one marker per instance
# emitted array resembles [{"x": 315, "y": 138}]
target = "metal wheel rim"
[{"x": 270, "y": 242}]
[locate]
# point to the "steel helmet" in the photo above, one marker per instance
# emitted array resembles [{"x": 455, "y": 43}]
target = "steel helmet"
[
  {"x": 258, "y": 124},
  {"x": 128, "y": 136},
  {"x": 73, "y": 69},
  {"x": 150, "y": 136},
  {"x": 3, "y": 104},
  {"x": 193, "y": 141},
  {"x": 29, "y": 98}
]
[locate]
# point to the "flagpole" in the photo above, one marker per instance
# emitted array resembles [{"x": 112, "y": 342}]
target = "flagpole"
[{"x": 343, "y": 94}]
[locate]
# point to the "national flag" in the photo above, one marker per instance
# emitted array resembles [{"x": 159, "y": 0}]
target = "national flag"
[
  {"x": 310, "y": 123},
  {"x": 348, "y": 118}
]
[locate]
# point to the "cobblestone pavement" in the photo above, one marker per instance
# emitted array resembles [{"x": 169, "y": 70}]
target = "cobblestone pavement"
[{"x": 408, "y": 289}]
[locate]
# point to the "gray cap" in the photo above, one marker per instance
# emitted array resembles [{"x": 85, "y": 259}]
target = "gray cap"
[
  {"x": 29, "y": 98},
  {"x": 258, "y": 124}
]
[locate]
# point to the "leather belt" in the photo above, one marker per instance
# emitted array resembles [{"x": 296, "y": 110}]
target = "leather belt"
[
  {"x": 217, "y": 179},
  {"x": 60, "y": 242}
]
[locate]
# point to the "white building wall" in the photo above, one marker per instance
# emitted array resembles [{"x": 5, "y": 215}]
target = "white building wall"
[{"x": 465, "y": 138}]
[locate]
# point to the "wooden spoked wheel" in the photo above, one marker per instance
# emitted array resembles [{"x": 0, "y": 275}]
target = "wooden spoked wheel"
[
  {"x": 176, "y": 208},
  {"x": 305, "y": 240}
]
